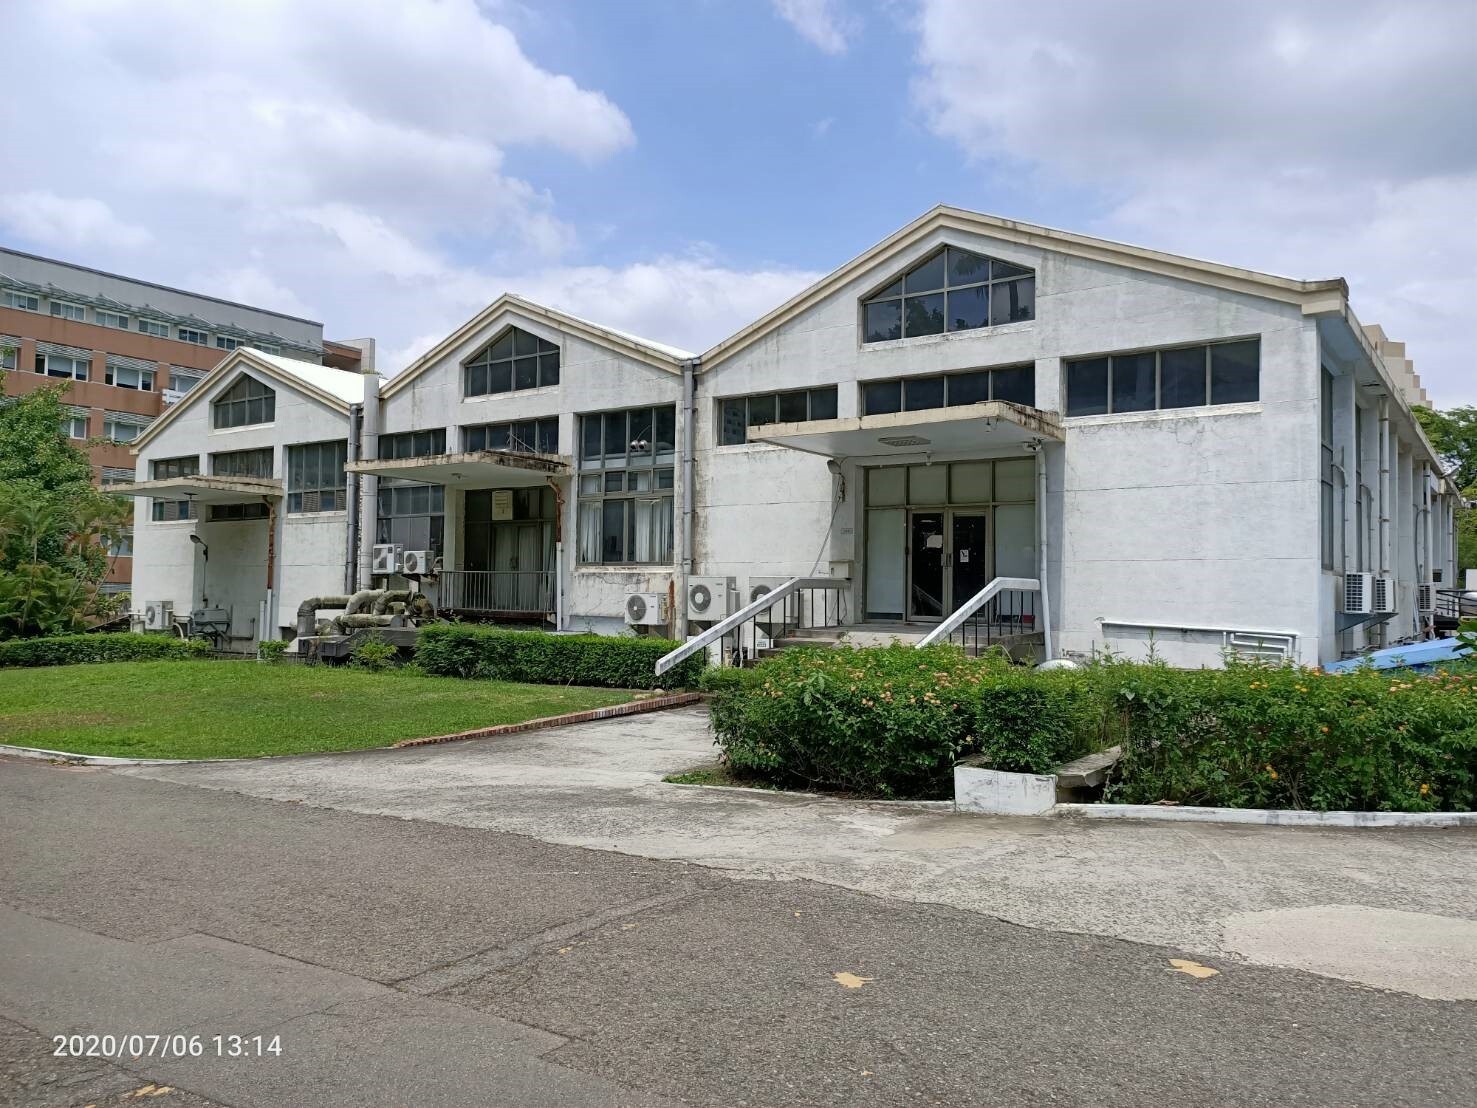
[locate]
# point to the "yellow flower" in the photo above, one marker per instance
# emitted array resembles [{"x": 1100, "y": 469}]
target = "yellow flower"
[
  {"x": 1425, "y": 789},
  {"x": 1324, "y": 728},
  {"x": 1272, "y": 773}
]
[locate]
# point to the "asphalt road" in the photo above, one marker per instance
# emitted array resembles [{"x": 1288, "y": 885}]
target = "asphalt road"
[{"x": 406, "y": 962}]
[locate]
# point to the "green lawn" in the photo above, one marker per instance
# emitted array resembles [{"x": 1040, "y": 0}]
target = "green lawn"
[{"x": 202, "y": 709}]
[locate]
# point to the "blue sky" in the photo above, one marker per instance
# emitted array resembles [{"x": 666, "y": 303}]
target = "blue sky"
[{"x": 678, "y": 168}]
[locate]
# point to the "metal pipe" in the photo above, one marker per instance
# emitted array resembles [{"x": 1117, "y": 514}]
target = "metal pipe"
[
  {"x": 361, "y": 600},
  {"x": 307, "y": 612},
  {"x": 553, "y": 483},
  {"x": 1042, "y": 548},
  {"x": 368, "y": 484},
  {"x": 689, "y": 447},
  {"x": 351, "y": 548},
  {"x": 391, "y": 596},
  {"x": 345, "y": 623}
]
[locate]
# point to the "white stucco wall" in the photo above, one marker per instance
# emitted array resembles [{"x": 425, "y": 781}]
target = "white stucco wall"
[
  {"x": 592, "y": 378},
  {"x": 310, "y": 548}
]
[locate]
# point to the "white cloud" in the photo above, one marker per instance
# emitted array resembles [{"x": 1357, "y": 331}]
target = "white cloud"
[
  {"x": 71, "y": 222},
  {"x": 820, "y": 22},
  {"x": 1311, "y": 139}
]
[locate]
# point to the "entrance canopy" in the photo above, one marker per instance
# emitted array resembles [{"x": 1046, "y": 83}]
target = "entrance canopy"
[
  {"x": 204, "y": 490},
  {"x": 967, "y": 427},
  {"x": 476, "y": 469}
]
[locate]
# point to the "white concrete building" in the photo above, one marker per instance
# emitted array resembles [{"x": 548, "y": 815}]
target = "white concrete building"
[{"x": 1177, "y": 451}]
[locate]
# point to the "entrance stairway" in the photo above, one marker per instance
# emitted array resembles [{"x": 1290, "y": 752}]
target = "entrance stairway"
[{"x": 1020, "y": 645}]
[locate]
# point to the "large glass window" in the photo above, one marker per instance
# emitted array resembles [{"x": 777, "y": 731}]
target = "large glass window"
[
  {"x": 164, "y": 511},
  {"x": 950, "y": 290},
  {"x": 412, "y": 515},
  {"x": 124, "y": 426},
  {"x": 246, "y": 402},
  {"x": 627, "y": 472},
  {"x": 516, "y": 360},
  {"x": 63, "y": 310},
  {"x": 157, "y": 328},
  {"x": 739, "y": 413},
  {"x": 315, "y": 477},
  {"x": 130, "y": 377},
  {"x": 71, "y": 366},
  {"x": 412, "y": 444},
  {"x": 523, "y": 436},
  {"x": 1182, "y": 377},
  {"x": 1016, "y": 384},
  {"x": 243, "y": 463}
]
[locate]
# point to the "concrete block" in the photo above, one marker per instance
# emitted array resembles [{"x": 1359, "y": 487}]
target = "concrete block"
[{"x": 996, "y": 792}]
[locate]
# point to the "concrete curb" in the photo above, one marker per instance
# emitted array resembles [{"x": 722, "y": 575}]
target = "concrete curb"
[
  {"x": 1266, "y": 817},
  {"x": 43, "y": 755},
  {"x": 632, "y": 708}
]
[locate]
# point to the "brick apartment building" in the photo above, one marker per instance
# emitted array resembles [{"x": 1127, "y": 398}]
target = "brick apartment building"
[{"x": 128, "y": 349}]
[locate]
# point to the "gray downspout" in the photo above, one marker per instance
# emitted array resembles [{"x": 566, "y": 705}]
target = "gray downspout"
[
  {"x": 351, "y": 554},
  {"x": 1044, "y": 562},
  {"x": 689, "y": 446},
  {"x": 368, "y": 483}
]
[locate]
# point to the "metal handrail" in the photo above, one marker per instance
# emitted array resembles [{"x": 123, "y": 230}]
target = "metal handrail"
[
  {"x": 975, "y": 603},
  {"x": 743, "y": 615}
]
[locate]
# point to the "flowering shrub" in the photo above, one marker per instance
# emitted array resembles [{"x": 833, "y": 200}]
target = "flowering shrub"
[
  {"x": 892, "y": 721},
  {"x": 1253, "y": 736}
]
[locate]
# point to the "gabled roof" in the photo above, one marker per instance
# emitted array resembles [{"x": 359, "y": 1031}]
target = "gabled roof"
[
  {"x": 1312, "y": 295},
  {"x": 338, "y": 388},
  {"x": 654, "y": 354}
]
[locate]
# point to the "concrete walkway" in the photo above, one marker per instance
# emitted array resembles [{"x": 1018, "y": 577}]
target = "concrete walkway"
[{"x": 1393, "y": 909}]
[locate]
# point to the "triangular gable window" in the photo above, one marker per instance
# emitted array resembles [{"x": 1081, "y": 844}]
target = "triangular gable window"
[
  {"x": 950, "y": 290},
  {"x": 246, "y": 402},
  {"x": 514, "y": 360}
]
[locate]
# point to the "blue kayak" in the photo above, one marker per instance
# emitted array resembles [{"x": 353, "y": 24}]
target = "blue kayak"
[{"x": 1416, "y": 656}]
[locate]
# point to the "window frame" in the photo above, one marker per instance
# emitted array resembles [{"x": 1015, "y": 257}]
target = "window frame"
[
  {"x": 897, "y": 291},
  {"x": 437, "y": 444},
  {"x": 298, "y": 486},
  {"x": 69, "y": 424},
  {"x": 228, "y": 343},
  {"x": 598, "y": 475},
  {"x": 1158, "y": 353},
  {"x": 163, "y": 509},
  {"x": 541, "y": 424},
  {"x": 228, "y": 400},
  {"x": 482, "y": 364},
  {"x": 106, "y": 317},
  {"x": 200, "y": 338},
  {"x": 748, "y": 400},
  {"x": 10, "y": 298},
  {"x": 44, "y": 359},
  {"x": 244, "y": 463},
  {"x": 947, "y": 379},
  {"x": 70, "y": 311},
  {"x": 123, "y": 419},
  {"x": 147, "y": 326},
  {"x": 111, "y": 371}
]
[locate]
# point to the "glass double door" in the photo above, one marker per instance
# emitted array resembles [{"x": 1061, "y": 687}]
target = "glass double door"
[{"x": 948, "y": 560}]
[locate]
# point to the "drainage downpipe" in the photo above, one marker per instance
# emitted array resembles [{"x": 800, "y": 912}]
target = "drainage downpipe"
[
  {"x": 351, "y": 552},
  {"x": 307, "y": 612},
  {"x": 368, "y": 485},
  {"x": 1042, "y": 547},
  {"x": 689, "y": 447}
]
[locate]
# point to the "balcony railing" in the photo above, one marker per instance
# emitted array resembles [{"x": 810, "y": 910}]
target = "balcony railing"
[{"x": 513, "y": 592}]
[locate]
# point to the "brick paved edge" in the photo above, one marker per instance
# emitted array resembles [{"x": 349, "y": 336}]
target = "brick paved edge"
[{"x": 631, "y": 708}]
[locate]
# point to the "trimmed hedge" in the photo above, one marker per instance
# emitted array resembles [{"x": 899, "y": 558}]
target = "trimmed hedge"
[
  {"x": 892, "y": 721},
  {"x": 71, "y": 650},
  {"x": 537, "y": 657},
  {"x": 1253, "y": 736}
]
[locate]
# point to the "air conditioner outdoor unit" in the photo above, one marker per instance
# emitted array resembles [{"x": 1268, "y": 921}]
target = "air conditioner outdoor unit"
[
  {"x": 1425, "y": 597},
  {"x": 646, "y": 609},
  {"x": 1358, "y": 594},
  {"x": 1384, "y": 596},
  {"x": 415, "y": 563},
  {"x": 158, "y": 615},
  {"x": 709, "y": 599},
  {"x": 386, "y": 559}
]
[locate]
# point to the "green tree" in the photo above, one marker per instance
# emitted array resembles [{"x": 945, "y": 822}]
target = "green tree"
[
  {"x": 55, "y": 527},
  {"x": 1454, "y": 435}
]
